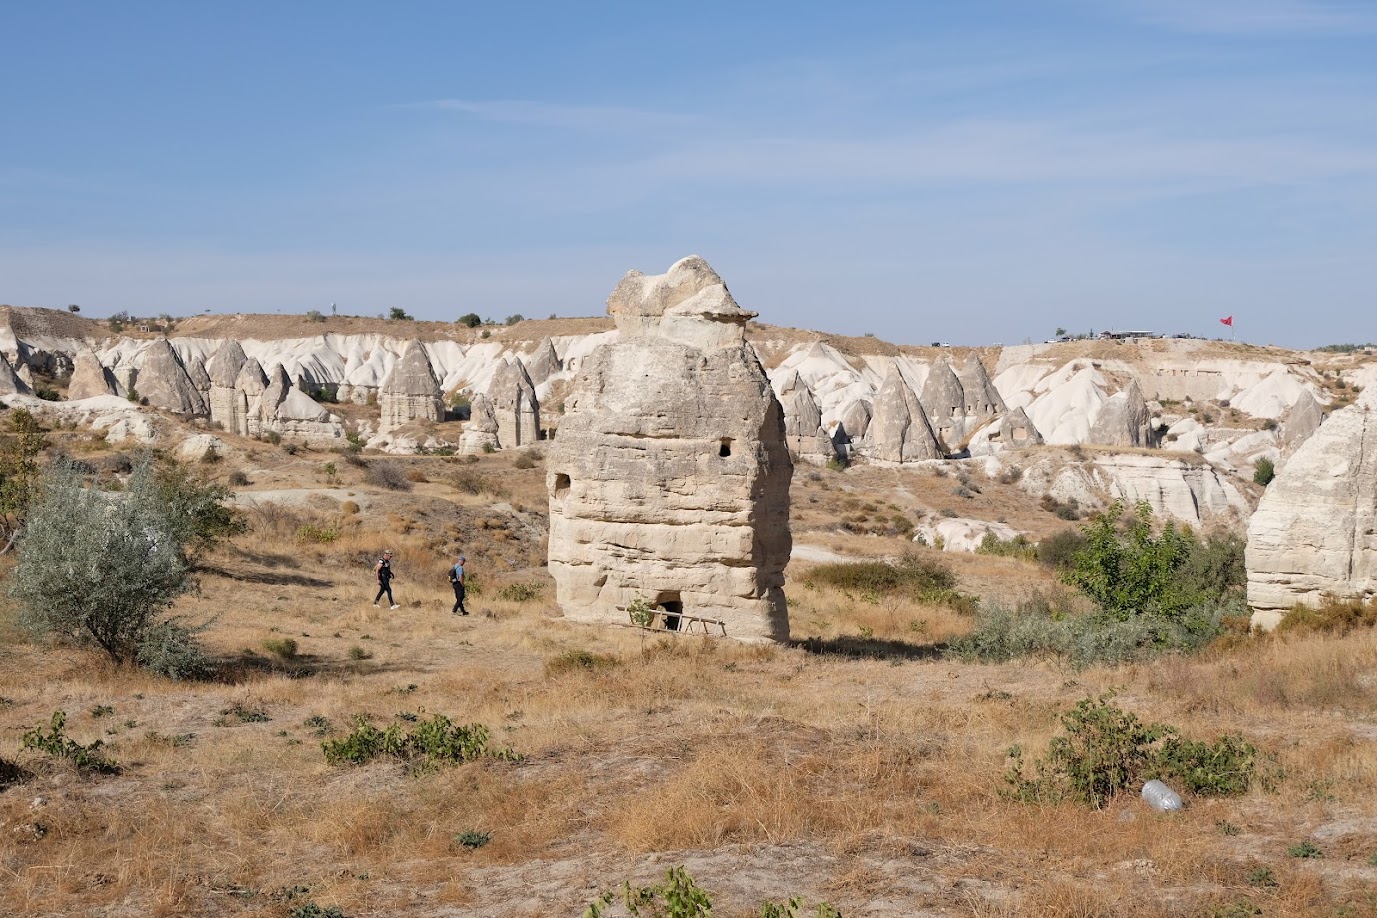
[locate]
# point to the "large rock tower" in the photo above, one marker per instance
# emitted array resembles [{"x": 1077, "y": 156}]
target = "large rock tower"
[{"x": 669, "y": 478}]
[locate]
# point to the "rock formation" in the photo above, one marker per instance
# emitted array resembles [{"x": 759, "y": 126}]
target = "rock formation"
[
  {"x": 979, "y": 396},
  {"x": 480, "y": 432},
  {"x": 1302, "y": 420},
  {"x": 899, "y": 430},
  {"x": 1315, "y": 529},
  {"x": 802, "y": 424},
  {"x": 669, "y": 479},
  {"x": 544, "y": 363},
  {"x": 89, "y": 377},
  {"x": 944, "y": 401},
  {"x": 228, "y": 405},
  {"x": 164, "y": 382},
  {"x": 10, "y": 383},
  {"x": 1123, "y": 420},
  {"x": 514, "y": 405},
  {"x": 286, "y": 410},
  {"x": 410, "y": 392},
  {"x": 251, "y": 383}
]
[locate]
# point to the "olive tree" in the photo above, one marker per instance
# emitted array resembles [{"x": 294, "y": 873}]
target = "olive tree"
[{"x": 104, "y": 568}]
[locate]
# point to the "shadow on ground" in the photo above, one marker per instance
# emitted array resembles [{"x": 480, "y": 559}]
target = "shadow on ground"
[{"x": 860, "y": 648}]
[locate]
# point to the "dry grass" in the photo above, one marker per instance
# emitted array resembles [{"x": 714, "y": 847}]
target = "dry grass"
[{"x": 859, "y": 767}]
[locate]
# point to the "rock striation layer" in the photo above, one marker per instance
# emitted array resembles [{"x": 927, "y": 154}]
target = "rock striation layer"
[
  {"x": 669, "y": 479},
  {"x": 1315, "y": 529}
]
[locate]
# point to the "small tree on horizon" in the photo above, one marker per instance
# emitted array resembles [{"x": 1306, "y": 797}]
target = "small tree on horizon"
[
  {"x": 398, "y": 314},
  {"x": 470, "y": 320}
]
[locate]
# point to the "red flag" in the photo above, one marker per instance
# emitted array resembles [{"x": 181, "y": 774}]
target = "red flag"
[{"x": 1227, "y": 320}]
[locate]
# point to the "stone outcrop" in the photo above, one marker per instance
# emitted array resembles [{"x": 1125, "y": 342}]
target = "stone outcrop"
[
  {"x": 228, "y": 405},
  {"x": 980, "y": 398},
  {"x": 944, "y": 401},
  {"x": 544, "y": 363},
  {"x": 899, "y": 430},
  {"x": 291, "y": 413},
  {"x": 10, "y": 383},
  {"x": 250, "y": 385},
  {"x": 480, "y": 432},
  {"x": 669, "y": 479},
  {"x": 410, "y": 392},
  {"x": 1302, "y": 420},
  {"x": 89, "y": 377},
  {"x": 1123, "y": 420},
  {"x": 852, "y": 429},
  {"x": 163, "y": 381},
  {"x": 515, "y": 406},
  {"x": 1315, "y": 529}
]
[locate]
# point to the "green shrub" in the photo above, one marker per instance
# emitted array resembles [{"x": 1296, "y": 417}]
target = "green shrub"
[
  {"x": 678, "y": 897},
  {"x": 238, "y": 479},
  {"x": 1059, "y": 549},
  {"x": 1132, "y": 572},
  {"x": 1107, "y": 750},
  {"x": 317, "y": 533},
  {"x": 924, "y": 579},
  {"x": 1264, "y": 470},
  {"x": 311, "y": 910},
  {"x": 1305, "y": 849},
  {"x": 272, "y": 437},
  {"x": 170, "y": 649},
  {"x": 473, "y": 840},
  {"x": 283, "y": 648},
  {"x": 641, "y": 612},
  {"x": 57, "y": 744},
  {"x": 1017, "y": 547},
  {"x": 99, "y": 569},
  {"x": 431, "y": 742},
  {"x": 520, "y": 592}
]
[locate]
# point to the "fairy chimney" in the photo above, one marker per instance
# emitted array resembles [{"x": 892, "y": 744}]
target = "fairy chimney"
[{"x": 669, "y": 480}]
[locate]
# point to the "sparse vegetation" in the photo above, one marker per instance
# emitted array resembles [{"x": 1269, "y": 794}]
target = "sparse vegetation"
[
  {"x": 389, "y": 475},
  {"x": 1264, "y": 470},
  {"x": 431, "y": 742},
  {"x": 55, "y": 743}
]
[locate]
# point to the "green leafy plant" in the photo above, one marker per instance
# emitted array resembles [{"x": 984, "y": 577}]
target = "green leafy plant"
[
  {"x": 641, "y": 612},
  {"x": 311, "y": 910},
  {"x": 795, "y": 908},
  {"x": 520, "y": 592},
  {"x": 1261, "y": 876},
  {"x": 317, "y": 533},
  {"x": 398, "y": 314},
  {"x": 1017, "y": 547},
  {"x": 1264, "y": 470},
  {"x": 1305, "y": 850},
  {"x": 431, "y": 742},
  {"x": 678, "y": 897},
  {"x": 57, "y": 744},
  {"x": 473, "y": 840},
  {"x": 1107, "y": 750}
]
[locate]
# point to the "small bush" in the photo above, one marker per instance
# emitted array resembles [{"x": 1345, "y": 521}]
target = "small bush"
[
  {"x": 1107, "y": 750},
  {"x": 170, "y": 649},
  {"x": 272, "y": 437},
  {"x": 1305, "y": 849},
  {"x": 238, "y": 479},
  {"x": 579, "y": 660},
  {"x": 1333, "y": 616},
  {"x": 57, "y": 744},
  {"x": 524, "y": 460},
  {"x": 1059, "y": 549},
  {"x": 1017, "y": 547},
  {"x": 1264, "y": 470},
  {"x": 283, "y": 648},
  {"x": 430, "y": 742},
  {"x": 520, "y": 592},
  {"x": 311, "y": 910},
  {"x": 317, "y": 533},
  {"x": 473, "y": 840},
  {"x": 919, "y": 578},
  {"x": 678, "y": 897},
  {"x": 388, "y": 475},
  {"x": 358, "y": 653},
  {"x": 349, "y": 508}
]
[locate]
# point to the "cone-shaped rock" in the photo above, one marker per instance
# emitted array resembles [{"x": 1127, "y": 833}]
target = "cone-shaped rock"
[
  {"x": 942, "y": 397},
  {"x": 544, "y": 363},
  {"x": 410, "y": 392},
  {"x": 224, "y": 365},
  {"x": 856, "y": 419},
  {"x": 1315, "y": 529},
  {"x": 480, "y": 431},
  {"x": 979, "y": 396},
  {"x": 164, "y": 382},
  {"x": 196, "y": 372},
  {"x": 899, "y": 430},
  {"x": 1123, "y": 420},
  {"x": 10, "y": 383},
  {"x": 1016, "y": 429},
  {"x": 1301, "y": 421},
  {"x": 669, "y": 480},
  {"x": 514, "y": 405},
  {"x": 89, "y": 377}
]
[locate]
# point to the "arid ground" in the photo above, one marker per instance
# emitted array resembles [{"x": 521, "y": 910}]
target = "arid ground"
[{"x": 858, "y": 767}]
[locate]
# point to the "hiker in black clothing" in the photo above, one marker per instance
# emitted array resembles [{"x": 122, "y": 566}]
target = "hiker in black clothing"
[
  {"x": 383, "y": 570},
  {"x": 456, "y": 578}
]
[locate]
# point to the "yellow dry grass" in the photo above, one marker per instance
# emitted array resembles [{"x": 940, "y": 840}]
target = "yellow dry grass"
[{"x": 858, "y": 767}]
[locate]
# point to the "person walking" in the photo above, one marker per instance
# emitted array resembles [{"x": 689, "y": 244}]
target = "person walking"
[
  {"x": 383, "y": 571},
  {"x": 456, "y": 579}
]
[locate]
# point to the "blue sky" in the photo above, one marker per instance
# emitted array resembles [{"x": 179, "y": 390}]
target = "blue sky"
[{"x": 972, "y": 172}]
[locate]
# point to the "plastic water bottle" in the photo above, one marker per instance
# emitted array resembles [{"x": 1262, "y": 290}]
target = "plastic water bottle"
[{"x": 1160, "y": 797}]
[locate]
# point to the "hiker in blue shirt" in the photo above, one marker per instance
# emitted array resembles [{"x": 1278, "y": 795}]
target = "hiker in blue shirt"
[{"x": 456, "y": 578}]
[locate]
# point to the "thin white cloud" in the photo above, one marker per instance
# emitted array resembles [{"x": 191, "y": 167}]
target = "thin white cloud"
[
  {"x": 1018, "y": 152},
  {"x": 1248, "y": 17},
  {"x": 556, "y": 115}
]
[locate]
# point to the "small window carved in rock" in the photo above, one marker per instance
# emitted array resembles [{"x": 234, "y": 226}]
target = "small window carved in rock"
[
  {"x": 725, "y": 448},
  {"x": 562, "y": 483}
]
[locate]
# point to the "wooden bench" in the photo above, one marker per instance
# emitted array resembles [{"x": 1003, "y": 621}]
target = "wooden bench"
[{"x": 660, "y": 619}]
